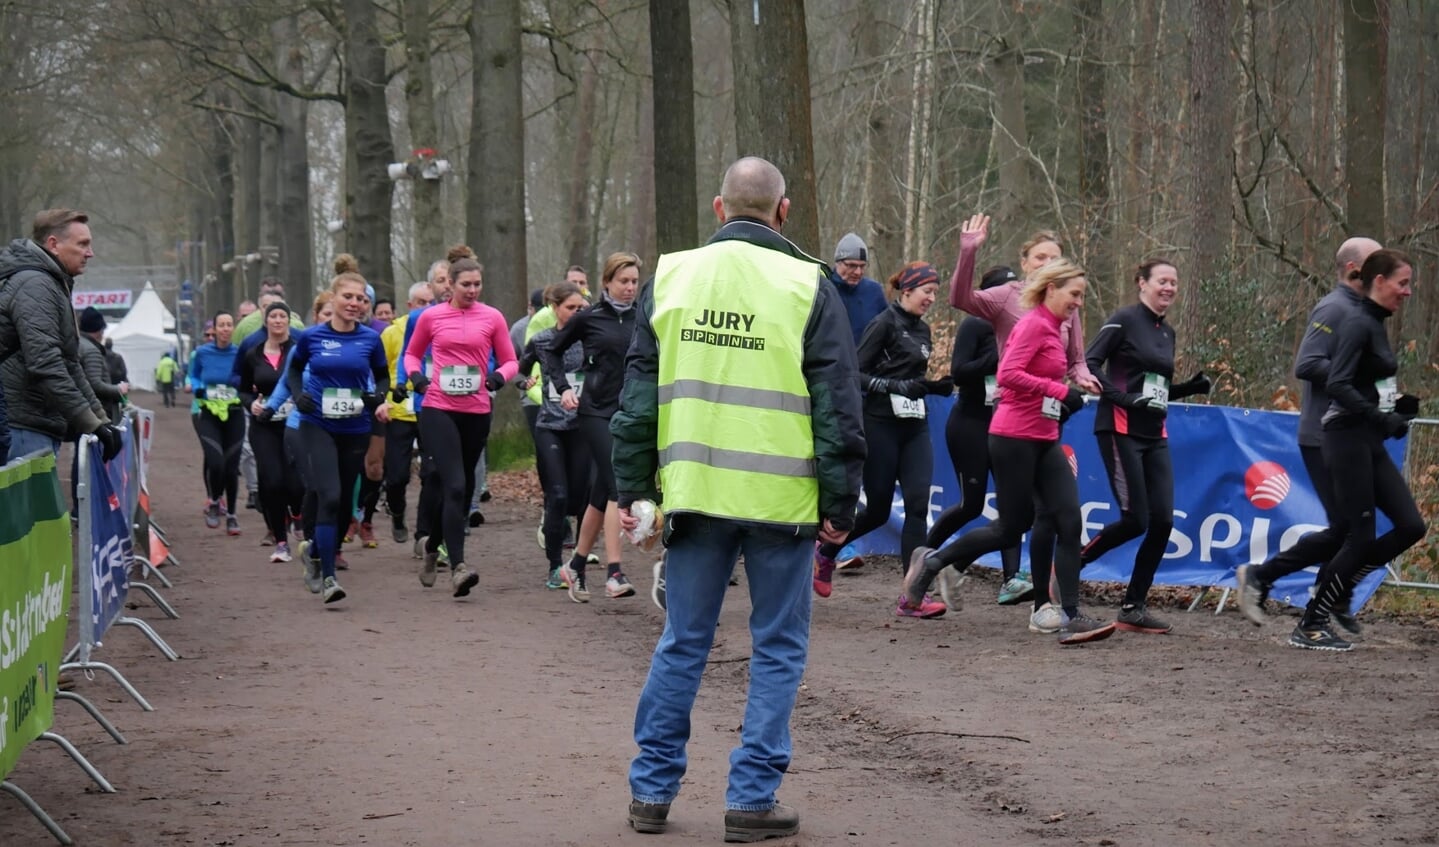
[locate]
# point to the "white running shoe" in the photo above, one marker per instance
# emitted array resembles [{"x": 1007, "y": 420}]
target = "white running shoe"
[
  {"x": 1047, "y": 619},
  {"x": 950, "y": 579}
]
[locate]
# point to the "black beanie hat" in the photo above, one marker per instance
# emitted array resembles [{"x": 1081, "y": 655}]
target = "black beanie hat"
[{"x": 91, "y": 320}]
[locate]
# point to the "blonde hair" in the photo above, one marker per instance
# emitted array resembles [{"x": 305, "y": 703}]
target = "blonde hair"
[
  {"x": 618, "y": 262},
  {"x": 1037, "y": 239},
  {"x": 1056, "y": 274},
  {"x": 321, "y": 301}
]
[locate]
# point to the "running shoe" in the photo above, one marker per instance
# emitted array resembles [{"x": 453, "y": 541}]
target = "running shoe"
[
  {"x": 485, "y": 496},
  {"x": 569, "y": 534},
  {"x": 252, "y": 500},
  {"x": 1081, "y": 629},
  {"x": 1138, "y": 619},
  {"x": 950, "y": 579},
  {"x": 1047, "y": 619},
  {"x": 281, "y": 554},
  {"x": 575, "y": 582},
  {"x": 1016, "y": 590},
  {"x": 462, "y": 579},
  {"x": 540, "y": 535},
  {"x": 1251, "y": 594},
  {"x": 823, "y": 573},
  {"x": 310, "y": 568},
  {"x": 553, "y": 581},
  {"x": 352, "y": 531},
  {"x": 1318, "y": 638},
  {"x": 212, "y": 515},
  {"x": 657, "y": 589},
  {"x": 444, "y": 554},
  {"x": 1346, "y": 621},
  {"x": 333, "y": 592},
  {"x": 367, "y": 536},
  {"x": 476, "y": 518},
  {"x": 297, "y": 524},
  {"x": 399, "y": 532},
  {"x": 419, "y": 546},
  {"x": 617, "y": 586},
  {"x": 232, "y": 525},
  {"x": 268, "y": 540},
  {"x": 915, "y": 571},
  {"x": 430, "y": 568},
  {"x": 592, "y": 559},
  {"x": 340, "y": 563},
  {"x": 926, "y": 608},
  {"x": 853, "y": 563}
]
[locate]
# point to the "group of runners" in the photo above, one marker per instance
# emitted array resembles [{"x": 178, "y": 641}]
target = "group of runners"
[{"x": 337, "y": 410}]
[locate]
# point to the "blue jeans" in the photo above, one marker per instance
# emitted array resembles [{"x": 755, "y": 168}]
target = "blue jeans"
[
  {"x": 778, "y": 571},
  {"x": 23, "y": 442}
]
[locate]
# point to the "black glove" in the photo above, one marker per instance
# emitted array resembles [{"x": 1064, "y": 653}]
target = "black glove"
[
  {"x": 942, "y": 387},
  {"x": 1406, "y": 406},
  {"x": 305, "y": 403},
  {"x": 372, "y": 400},
  {"x": 494, "y": 381},
  {"x": 911, "y": 388},
  {"x": 1394, "y": 425},
  {"x": 266, "y": 413},
  {"x": 1136, "y": 401},
  {"x": 110, "y": 440},
  {"x": 419, "y": 382},
  {"x": 1074, "y": 400},
  {"x": 399, "y": 394},
  {"x": 1197, "y": 384}
]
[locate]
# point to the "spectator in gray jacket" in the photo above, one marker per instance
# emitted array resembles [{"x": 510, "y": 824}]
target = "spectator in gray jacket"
[
  {"x": 95, "y": 362},
  {"x": 47, "y": 393}
]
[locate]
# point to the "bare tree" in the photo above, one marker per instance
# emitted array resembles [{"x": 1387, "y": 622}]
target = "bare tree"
[
  {"x": 1365, "y": 58},
  {"x": 676, "y": 192},
  {"x": 367, "y": 132},
  {"x": 1210, "y": 141},
  {"x": 424, "y": 134}
]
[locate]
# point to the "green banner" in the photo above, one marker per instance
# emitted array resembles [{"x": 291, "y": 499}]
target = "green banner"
[{"x": 34, "y": 601}]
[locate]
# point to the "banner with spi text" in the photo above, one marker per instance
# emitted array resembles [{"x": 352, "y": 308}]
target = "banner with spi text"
[{"x": 34, "y": 600}]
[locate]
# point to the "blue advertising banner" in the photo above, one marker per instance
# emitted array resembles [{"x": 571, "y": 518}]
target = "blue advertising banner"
[
  {"x": 110, "y": 543},
  {"x": 1240, "y": 495}
]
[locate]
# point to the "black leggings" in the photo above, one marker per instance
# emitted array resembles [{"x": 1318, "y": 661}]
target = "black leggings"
[
  {"x": 336, "y": 461},
  {"x": 1142, "y": 480},
  {"x": 899, "y": 451},
  {"x": 1025, "y": 472},
  {"x": 967, "y": 438},
  {"x": 1316, "y": 548},
  {"x": 453, "y": 442},
  {"x": 399, "y": 460},
  {"x": 1365, "y": 478},
  {"x": 221, "y": 442},
  {"x": 280, "y": 492},
  {"x": 595, "y": 431},
  {"x": 565, "y": 466}
]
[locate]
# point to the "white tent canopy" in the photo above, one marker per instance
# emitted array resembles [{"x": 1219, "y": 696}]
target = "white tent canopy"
[{"x": 145, "y": 334}]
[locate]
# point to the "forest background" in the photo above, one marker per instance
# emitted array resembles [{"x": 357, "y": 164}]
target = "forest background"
[{"x": 1243, "y": 139}]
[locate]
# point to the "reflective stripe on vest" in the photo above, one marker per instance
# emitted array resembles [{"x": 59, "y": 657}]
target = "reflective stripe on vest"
[{"x": 734, "y": 433}]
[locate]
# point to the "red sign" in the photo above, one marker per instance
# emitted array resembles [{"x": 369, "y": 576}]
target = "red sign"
[{"x": 101, "y": 299}]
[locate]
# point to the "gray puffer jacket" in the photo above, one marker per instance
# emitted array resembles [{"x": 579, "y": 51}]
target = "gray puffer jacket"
[
  {"x": 46, "y": 390},
  {"x": 96, "y": 363}
]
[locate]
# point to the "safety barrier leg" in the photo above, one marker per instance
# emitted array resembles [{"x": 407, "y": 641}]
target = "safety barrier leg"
[
  {"x": 150, "y": 634},
  {"x": 156, "y": 598},
  {"x": 34, "y": 808},
  {"x": 148, "y": 570},
  {"x": 94, "y": 713},
  {"x": 80, "y": 760},
  {"x": 1223, "y": 598},
  {"x": 119, "y": 677},
  {"x": 1203, "y": 592}
]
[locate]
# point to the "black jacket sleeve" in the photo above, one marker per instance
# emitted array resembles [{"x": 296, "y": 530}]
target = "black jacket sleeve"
[
  {"x": 552, "y": 359},
  {"x": 1352, "y": 339},
  {"x": 245, "y": 372},
  {"x": 1312, "y": 360},
  {"x": 39, "y": 307},
  {"x": 1101, "y": 347},
  {"x": 972, "y": 357},
  {"x": 635, "y": 426}
]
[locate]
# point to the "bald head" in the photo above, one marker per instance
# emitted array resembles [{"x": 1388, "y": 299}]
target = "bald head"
[
  {"x": 1350, "y": 258},
  {"x": 752, "y": 188}
]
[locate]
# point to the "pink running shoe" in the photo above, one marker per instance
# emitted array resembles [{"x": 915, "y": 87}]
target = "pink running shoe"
[
  {"x": 927, "y": 608},
  {"x": 823, "y": 573}
]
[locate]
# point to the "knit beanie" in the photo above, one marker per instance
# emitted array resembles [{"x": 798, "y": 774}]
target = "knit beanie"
[
  {"x": 91, "y": 320},
  {"x": 851, "y": 247}
]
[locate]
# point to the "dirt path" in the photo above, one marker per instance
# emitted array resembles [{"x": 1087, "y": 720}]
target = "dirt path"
[{"x": 405, "y": 717}]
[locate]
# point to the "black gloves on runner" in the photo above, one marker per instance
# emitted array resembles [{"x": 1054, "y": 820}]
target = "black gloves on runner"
[
  {"x": 399, "y": 394},
  {"x": 1394, "y": 425},
  {"x": 419, "y": 382},
  {"x": 372, "y": 400},
  {"x": 1073, "y": 402},
  {"x": 494, "y": 381},
  {"x": 266, "y": 413},
  {"x": 110, "y": 440},
  {"x": 1406, "y": 406},
  {"x": 305, "y": 403},
  {"x": 911, "y": 388},
  {"x": 942, "y": 387},
  {"x": 1197, "y": 384},
  {"x": 1139, "y": 401}
]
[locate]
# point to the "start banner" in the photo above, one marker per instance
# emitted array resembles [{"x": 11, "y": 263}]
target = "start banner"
[
  {"x": 34, "y": 600},
  {"x": 119, "y": 299},
  {"x": 1240, "y": 495}
]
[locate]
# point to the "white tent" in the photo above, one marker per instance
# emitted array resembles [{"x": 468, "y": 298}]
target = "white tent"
[{"x": 145, "y": 334}]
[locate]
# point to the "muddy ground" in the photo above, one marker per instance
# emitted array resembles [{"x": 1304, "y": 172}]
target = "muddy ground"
[{"x": 405, "y": 717}]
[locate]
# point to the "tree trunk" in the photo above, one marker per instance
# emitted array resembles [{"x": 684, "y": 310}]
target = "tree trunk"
[
  {"x": 220, "y": 217},
  {"x": 269, "y": 191},
  {"x": 673, "y": 113},
  {"x": 641, "y": 235},
  {"x": 1093, "y": 235},
  {"x": 1365, "y": 55},
  {"x": 882, "y": 204},
  {"x": 367, "y": 123},
  {"x": 297, "y": 262},
  {"x": 582, "y": 243},
  {"x": 420, "y": 105},
  {"x": 496, "y": 203},
  {"x": 246, "y": 135},
  {"x": 1011, "y": 143},
  {"x": 772, "y": 104},
  {"x": 917, "y": 158},
  {"x": 1209, "y": 142}
]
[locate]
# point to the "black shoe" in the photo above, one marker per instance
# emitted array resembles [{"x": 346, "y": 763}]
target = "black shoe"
[
  {"x": 1347, "y": 622},
  {"x": 1138, "y": 619},
  {"x": 649, "y": 817},
  {"x": 747, "y": 827},
  {"x": 476, "y": 518},
  {"x": 1318, "y": 638},
  {"x": 485, "y": 496},
  {"x": 252, "y": 501}
]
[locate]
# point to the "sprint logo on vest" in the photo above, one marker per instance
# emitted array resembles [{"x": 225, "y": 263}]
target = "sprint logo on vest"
[
  {"x": 723, "y": 330},
  {"x": 1266, "y": 484}
]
